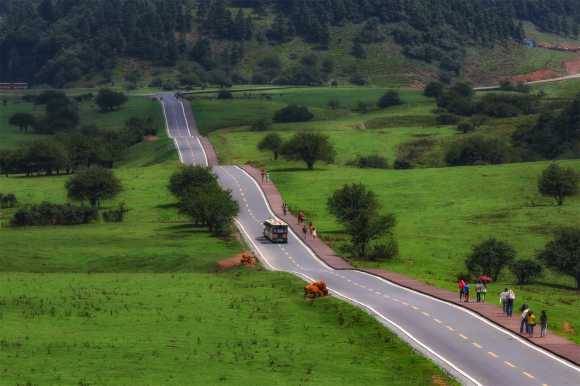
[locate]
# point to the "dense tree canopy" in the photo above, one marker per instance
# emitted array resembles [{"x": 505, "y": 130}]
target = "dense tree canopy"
[
  {"x": 93, "y": 185},
  {"x": 563, "y": 253},
  {"x": 58, "y": 42}
]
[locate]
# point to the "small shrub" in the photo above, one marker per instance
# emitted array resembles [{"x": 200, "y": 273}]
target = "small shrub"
[
  {"x": 116, "y": 215},
  {"x": 384, "y": 251},
  {"x": 364, "y": 105},
  {"x": 465, "y": 127},
  {"x": 293, "y": 113},
  {"x": 8, "y": 201},
  {"x": 447, "y": 119},
  {"x": 372, "y": 161},
  {"x": 225, "y": 95},
  {"x": 402, "y": 164},
  {"x": 358, "y": 79},
  {"x": 390, "y": 98},
  {"x": 168, "y": 86},
  {"x": 261, "y": 125},
  {"x": 526, "y": 271}
]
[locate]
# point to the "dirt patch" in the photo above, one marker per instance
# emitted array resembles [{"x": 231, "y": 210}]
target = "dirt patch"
[
  {"x": 542, "y": 74},
  {"x": 150, "y": 138},
  {"x": 416, "y": 85},
  {"x": 230, "y": 262},
  {"x": 568, "y": 328},
  {"x": 572, "y": 66},
  {"x": 410, "y": 262},
  {"x": 436, "y": 380}
]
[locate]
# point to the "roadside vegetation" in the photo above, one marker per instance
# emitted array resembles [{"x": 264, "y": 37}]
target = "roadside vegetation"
[
  {"x": 87, "y": 285},
  {"x": 441, "y": 212}
]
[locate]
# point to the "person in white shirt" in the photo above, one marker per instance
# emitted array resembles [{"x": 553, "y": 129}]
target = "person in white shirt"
[
  {"x": 502, "y": 300},
  {"x": 478, "y": 291}
]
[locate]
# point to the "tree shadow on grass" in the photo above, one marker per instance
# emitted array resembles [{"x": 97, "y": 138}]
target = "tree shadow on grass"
[
  {"x": 167, "y": 206},
  {"x": 556, "y": 286}
]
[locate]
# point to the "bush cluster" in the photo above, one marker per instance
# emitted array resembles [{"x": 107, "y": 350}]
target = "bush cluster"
[
  {"x": 46, "y": 213},
  {"x": 373, "y": 161},
  {"x": 293, "y": 113}
]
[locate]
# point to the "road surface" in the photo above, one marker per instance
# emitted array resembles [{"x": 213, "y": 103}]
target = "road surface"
[
  {"x": 576, "y": 76},
  {"x": 475, "y": 350},
  {"x": 188, "y": 146}
]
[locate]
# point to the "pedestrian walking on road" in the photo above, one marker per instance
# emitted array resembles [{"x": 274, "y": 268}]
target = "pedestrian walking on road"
[
  {"x": 478, "y": 291},
  {"x": 267, "y": 177},
  {"x": 543, "y": 324},
  {"x": 461, "y": 285},
  {"x": 466, "y": 292},
  {"x": 531, "y": 322},
  {"x": 284, "y": 208},
  {"x": 314, "y": 233},
  {"x": 510, "y": 297},
  {"x": 311, "y": 227},
  {"x": 523, "y": 317},
  {"x": 263, "y": 174},
  {"x": 502, "y": 300},
  {"x": 304, "y": 231},
  {"x": 483, "y": 291},
  {"x": 300, "y": 218}
]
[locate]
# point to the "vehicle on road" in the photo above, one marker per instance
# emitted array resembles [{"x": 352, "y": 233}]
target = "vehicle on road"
[{"x": 276, "y": 231}]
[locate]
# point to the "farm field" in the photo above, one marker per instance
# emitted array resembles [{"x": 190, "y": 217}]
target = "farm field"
[
  {"x": 145, "y": 301},
  {"x": 441, "y": 212}
]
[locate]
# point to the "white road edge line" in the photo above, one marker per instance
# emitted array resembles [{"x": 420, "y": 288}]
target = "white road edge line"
[
  {"x": 185, "y": 116},
  {"x": 203, "y": 150},
  {"x": 477, "y": 316},
  {"x": 178, "y": 149},
  {"x": 165, "y": 116}
]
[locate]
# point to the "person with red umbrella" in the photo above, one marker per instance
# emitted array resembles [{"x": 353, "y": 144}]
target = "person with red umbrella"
[
  {"x": 461, "y": 285},
  {"x": 483, "y": 292}
]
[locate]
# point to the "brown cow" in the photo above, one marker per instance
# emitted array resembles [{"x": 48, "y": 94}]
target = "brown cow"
[
  {"x": 246, "y": 259},
  {"x": 321, "y": 286},
  {"x": 312, "y": 290},
  {"x": 16, "y": 103}
]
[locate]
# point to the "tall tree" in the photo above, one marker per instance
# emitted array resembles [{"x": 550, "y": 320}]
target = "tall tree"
[
  {"x": 309, "y": 148},
  {"x": 563, "y": 253},
  {"x": 559, "y": 182},
  {"x": 93, "y": 185},
  {"x": 272, "y": 142}
]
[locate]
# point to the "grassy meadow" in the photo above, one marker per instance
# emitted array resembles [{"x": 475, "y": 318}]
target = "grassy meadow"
[
  {"x": 11, "y": 136},
  {"x": 441, "y": 212},
  {"x": 144, "y": 302}
]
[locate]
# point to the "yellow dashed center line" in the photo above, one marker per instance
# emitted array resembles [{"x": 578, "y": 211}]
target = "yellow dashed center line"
[
  {"x": 362, "y": 286},
  {"x": 492, "y": 354},
  {"x": 450, "y": 328},
  {"x": 463, "y": 336},
  {"x": 405, "y": 303},
  {"x": 437, "y": 320},
  {"x": 426, "y": 314},
  {"x": 247, "y": 206},
  {"x": 355, "y": 283},
  {"x": 509, "y": 364},
  {"x": 415, "y": 308},
  {"x": 476, "y": 345},
  {"x": 387, "y": 296},
  {"x": 349, "y": 280},
  {"x": 378, "y": 293},
  {"x": 370, "y": 289},
  {"x": 343, "y": 277}
]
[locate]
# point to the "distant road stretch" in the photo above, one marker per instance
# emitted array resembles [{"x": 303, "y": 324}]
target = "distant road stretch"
[{"x": 569, "y": 77}]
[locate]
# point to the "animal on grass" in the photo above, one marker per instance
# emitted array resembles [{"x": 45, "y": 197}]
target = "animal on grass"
[
  {"x": 312, "y": 290},
  {"x": 321, "y": 286}
]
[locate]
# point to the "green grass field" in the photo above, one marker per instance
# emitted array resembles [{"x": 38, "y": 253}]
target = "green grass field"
[
  {"x": 441, "y": 212},
  {"x": 143, "y": 301},
  {"x": 11, "y": 137}
]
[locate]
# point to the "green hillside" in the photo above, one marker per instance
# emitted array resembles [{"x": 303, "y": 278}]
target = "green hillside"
[{"x": 192, "y": 43}]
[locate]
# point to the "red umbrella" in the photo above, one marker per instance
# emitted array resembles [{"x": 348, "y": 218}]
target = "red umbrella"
[{"x": 485, "y": 278}]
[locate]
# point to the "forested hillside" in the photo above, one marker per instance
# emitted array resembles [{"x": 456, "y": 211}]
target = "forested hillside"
[{"x": 67, "y": 43}]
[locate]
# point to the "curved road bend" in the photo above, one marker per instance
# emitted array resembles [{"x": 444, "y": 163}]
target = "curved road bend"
[{"x": 481, "y": 352}]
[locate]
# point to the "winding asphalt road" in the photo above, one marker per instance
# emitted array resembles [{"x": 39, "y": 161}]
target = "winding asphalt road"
[{"x": 475, "y": 350}]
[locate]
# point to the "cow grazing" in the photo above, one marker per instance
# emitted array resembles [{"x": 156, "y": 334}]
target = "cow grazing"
[
  {"x": 321, "y": 286},
  {"x": 16, "y": 103},
  {"x": 312, "y": 290},
  {"x": 246, "y": 259}
]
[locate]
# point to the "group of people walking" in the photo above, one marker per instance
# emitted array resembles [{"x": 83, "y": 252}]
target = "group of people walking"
[
  {"x": 465, "y": 289},
  {"x": 528, "y": 321},
  {"x": 304, "y": 229},
  {"x": 265, "y": 176}
]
